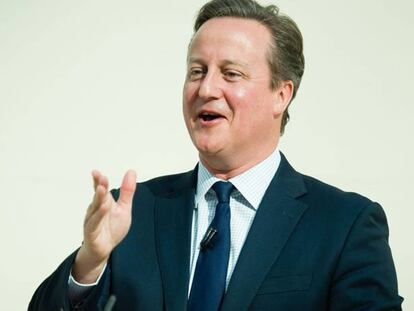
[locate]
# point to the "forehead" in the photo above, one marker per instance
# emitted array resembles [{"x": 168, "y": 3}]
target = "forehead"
[{"x": 230, "y": 36}]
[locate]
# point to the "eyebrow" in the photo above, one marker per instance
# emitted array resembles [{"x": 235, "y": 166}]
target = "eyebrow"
[{"x": 223, "y": 63}]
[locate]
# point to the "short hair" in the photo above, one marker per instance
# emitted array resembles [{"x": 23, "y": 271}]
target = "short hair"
[{"x": 286, "y": 60}]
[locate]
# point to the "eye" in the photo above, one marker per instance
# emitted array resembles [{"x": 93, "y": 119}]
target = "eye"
[
  {"x": 195, "y": 73},
  {"x": 233, "y": 75}
]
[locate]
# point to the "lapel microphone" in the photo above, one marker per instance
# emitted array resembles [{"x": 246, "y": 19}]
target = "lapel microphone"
[
  {"x": 206, "y": 242},
  {"x": 110, "y": 304}
]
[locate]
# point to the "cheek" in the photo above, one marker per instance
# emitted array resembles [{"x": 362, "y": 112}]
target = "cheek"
[
  {"x": 252, "y": 107},
  {"x": 238, "y": 102},
  {"x": 246, "y": 103},
  {"x": 240, "y": 94},
  {"x": 188, "y": 95},
  {"x": 249, "y": 97},
  {"x": 190, "y": 91}
]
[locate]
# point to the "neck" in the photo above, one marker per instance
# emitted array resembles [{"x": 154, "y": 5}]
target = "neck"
[{"x": 228, "y": 167}]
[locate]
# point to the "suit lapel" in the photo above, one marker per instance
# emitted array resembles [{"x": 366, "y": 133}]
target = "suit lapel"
[
  {"x": 275, "y": 220},
  {"x": 173, "y": 219}
]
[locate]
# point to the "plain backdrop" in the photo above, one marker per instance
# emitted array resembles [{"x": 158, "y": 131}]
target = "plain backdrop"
[{"x": 97, "y": 84}]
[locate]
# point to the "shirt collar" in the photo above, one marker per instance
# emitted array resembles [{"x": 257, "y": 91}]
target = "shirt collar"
[{"x": 252, "y": 184}]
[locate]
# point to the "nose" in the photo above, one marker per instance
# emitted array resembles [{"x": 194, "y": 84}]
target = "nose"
[{"x": 210, "y": 87}]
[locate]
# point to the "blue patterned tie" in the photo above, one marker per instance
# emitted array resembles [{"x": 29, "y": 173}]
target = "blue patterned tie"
[{"x": 209, "y": 282}]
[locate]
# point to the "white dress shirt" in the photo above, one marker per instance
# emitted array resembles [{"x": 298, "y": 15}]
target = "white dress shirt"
[
  {"x": 250, "y": 188},
  {"x": 244, "y": 201}
]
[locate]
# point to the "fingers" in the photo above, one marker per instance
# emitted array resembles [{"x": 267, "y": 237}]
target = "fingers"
[
  {"x": 100, "y": 209},
  {"x": 100, "y": 198},
  {"x": 99, "y": 179},
  {"x": 95, "y": 175},
  {"x": 128, "y": 188},
  {"x": 100, "y": 184},
  {"x": 102, "y": 195}
]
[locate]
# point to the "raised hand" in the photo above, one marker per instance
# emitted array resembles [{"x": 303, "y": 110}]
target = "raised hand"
[{"x": 106, "y": 223}]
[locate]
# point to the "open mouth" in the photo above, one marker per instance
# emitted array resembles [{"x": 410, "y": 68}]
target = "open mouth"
[{"x": 207, "y": 116}]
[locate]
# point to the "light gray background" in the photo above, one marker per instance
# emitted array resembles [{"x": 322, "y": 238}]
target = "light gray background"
[{"x": 97, "y": 84}]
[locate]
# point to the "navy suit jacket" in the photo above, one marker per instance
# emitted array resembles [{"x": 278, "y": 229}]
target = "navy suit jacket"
[{"x": 311, "y": 247}]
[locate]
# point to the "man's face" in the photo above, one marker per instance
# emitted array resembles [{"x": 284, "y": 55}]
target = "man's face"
[{"x": 229, "y": 107}]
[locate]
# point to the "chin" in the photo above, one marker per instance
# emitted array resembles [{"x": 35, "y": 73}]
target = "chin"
[
  {"x": 208, "y": 150},
  {"x": 209, "y": 147}
]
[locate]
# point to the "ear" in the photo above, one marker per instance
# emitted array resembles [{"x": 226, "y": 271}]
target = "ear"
[{"x": 282, "y": 97}]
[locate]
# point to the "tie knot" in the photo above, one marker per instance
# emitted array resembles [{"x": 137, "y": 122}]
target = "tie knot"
[{"x": 223, "y": 190}]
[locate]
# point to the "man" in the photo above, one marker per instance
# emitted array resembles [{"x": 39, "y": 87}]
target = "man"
[{"x": 273, "y": 239}]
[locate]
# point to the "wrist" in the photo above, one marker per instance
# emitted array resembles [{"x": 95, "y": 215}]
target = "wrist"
[{"x": 87, "y": 268}]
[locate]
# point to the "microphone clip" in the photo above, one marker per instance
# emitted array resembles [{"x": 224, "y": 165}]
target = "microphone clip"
[{"x": 206, "y": 242}]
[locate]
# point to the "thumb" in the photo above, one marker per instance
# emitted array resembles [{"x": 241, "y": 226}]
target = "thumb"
[{"x": 128, "y": 188}]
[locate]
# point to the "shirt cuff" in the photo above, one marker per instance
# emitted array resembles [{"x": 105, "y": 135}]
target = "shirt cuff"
[{"x": 78, "y": 291}]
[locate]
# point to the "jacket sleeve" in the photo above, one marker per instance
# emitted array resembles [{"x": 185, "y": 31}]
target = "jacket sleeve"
[
  {"x": 52, "y": 294},
  {"x": 365, "y": 277}
]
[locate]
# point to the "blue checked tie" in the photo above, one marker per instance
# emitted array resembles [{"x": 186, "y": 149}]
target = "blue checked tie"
[{"x": 209, "y": 282}]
